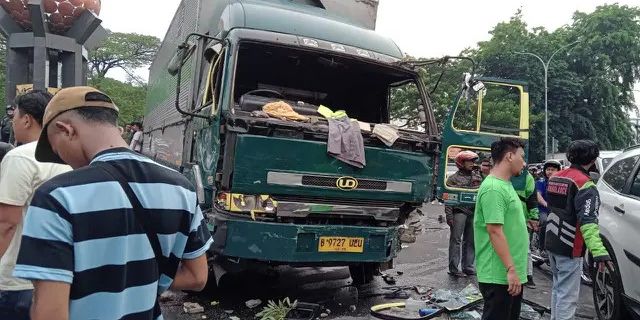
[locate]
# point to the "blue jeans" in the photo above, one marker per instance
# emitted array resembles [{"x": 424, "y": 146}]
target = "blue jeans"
[
  {"x": 15, "y": 304},
  {"x": 566, "y": 286}
]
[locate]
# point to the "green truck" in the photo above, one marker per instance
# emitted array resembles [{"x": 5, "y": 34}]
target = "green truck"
[{"x": 269, "y": 189}]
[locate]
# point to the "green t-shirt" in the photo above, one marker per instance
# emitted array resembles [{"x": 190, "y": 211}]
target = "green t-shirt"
[{"x": 498, "y": 203}]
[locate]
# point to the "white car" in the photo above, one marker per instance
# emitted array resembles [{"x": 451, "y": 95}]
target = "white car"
[
  {"x": 605, "y": 158},
  {"x": 616, "y": 293}
]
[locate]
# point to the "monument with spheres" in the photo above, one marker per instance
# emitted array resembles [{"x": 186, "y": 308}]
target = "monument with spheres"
[{"x": 48, "y": 41}]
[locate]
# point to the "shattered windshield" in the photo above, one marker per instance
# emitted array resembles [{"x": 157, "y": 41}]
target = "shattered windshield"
[{"x": 293, "y": 75}]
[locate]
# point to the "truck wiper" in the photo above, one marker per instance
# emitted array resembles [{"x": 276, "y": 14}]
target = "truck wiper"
[{"x": 441, "y": 61}]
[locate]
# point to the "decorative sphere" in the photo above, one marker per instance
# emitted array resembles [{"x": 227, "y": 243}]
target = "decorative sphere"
[{"x": 59, "y": 14}]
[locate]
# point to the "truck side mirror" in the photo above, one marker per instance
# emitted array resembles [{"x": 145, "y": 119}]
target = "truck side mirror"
[{"x": 178, "y": 59}]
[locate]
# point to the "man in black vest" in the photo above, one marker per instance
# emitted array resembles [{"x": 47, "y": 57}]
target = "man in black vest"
[{"x": 573, "y": 202}]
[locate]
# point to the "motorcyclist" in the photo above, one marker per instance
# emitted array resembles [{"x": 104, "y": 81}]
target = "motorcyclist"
[
  {"x": 460, "y": 218},
  {"x": 549, "y": 168},
  {"x": 572, "y": 226}
]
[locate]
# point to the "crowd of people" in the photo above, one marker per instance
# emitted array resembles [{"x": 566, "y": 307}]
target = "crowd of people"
[
  {"x": 89, "y": 228},
  {"x": 491, "y": 239}
]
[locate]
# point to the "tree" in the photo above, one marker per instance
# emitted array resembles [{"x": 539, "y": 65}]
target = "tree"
[
  {"x": 126, "y": 51},
  {"x": 129, "y": 97}
]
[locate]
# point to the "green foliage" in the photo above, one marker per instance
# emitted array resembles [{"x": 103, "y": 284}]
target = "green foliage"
[
  {"x": 276, "y": 311},
  {"x": 126, "y": 51},
  {"x": 127, "y": 96},
  {"x": 590, "y": 83}
]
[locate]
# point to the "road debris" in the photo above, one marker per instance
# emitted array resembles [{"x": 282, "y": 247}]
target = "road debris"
[
  {"x": 390, "y": 280},
  {"x": 422, "y": 290},
  {"x": 253, "y": 303},
  {"x": 192, "y": 307},
  {"x": 214, "y": 303},
  {"x": 168, "y": 296},
  {"x": 324, "y": 315}
]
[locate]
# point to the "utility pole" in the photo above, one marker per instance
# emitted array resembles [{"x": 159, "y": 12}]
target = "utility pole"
[{"x": 545, "y": 66}]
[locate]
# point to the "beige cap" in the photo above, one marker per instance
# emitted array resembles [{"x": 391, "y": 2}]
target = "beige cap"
[{"x": 65, "y": 100}]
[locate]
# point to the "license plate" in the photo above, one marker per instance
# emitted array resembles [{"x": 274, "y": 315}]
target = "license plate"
[{"x": 341, "y": 244}]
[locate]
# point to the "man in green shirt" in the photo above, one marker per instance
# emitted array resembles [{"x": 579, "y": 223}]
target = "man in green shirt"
[{"x": 501, "y": 237}]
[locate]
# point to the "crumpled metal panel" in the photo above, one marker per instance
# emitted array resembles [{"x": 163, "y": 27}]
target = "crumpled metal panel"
[{"x": 362, "y": 12}]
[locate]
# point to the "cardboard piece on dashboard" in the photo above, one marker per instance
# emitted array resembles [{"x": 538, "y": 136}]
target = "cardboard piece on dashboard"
[{"x": 387, "y": 134}]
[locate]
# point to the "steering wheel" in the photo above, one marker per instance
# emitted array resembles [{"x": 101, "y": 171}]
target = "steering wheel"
[{"x": 266, "y": 93}]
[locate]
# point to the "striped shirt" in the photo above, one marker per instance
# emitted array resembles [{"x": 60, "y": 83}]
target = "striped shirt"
[{"x": 80, "y": 229}]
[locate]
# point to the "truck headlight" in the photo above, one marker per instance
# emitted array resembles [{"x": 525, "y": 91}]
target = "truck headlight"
[{"x": 242, "y": 203}]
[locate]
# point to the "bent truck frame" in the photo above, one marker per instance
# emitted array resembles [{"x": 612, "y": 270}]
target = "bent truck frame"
[{"x": 271, "y": 193}]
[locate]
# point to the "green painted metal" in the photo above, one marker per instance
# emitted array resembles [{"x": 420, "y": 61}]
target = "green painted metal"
[
  {"x": 308, "y": 21},
  {"x": 451, "y": 136},
  {"x": 257, "y": 155},
  {"x": 293, "y": 243}
]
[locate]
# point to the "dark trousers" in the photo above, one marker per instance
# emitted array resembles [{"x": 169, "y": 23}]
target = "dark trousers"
[
  {"x": 15, "y": 305},
  {"x": 498, "y": 303},
  {"x": 461, "y": 246}
]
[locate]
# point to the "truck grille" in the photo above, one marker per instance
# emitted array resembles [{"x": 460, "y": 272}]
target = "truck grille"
[
  {"x": 336, "y": 182},
  {"x": 339, "y": 202},
  {"x": 330, "y": 182}
]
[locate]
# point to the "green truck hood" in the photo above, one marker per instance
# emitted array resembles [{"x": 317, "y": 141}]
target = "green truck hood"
[{"x": 278, "y": 166}]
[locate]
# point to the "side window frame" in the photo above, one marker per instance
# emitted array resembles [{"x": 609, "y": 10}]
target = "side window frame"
[
  {"x": 627, "y": 183},
  {"x": 523, "y": 117},
  {"x": 635, "y": 175},
  {"x": 212, "y": 89}
]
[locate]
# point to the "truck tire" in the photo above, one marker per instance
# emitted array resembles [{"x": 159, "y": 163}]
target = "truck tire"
[
  {"x": 363, "y": 273},
  {"x": 607, "y": 292}
]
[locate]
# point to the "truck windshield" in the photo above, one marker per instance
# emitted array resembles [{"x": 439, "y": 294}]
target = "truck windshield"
[{"x": 340, "y": 83}]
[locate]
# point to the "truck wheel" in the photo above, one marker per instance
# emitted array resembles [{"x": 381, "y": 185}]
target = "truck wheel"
[
  {"x": 363, "y": 273},
  {"x": 607, "y": 292}
]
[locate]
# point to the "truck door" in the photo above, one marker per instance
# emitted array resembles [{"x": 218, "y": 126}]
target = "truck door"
[
  {"x": 486, "y": 110},
  {"x": 204, "y": 134}
]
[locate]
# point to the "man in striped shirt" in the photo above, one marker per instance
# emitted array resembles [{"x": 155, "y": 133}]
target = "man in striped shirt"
[{"x": 103, "y": 241}]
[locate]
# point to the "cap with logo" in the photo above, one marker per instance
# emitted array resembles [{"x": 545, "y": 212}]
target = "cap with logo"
[{"x": 65, "y": 100}]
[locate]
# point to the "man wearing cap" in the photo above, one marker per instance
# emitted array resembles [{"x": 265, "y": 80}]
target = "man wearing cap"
[
  {"x": 151, "y": 236},
  {"x": 20, "y": 175}
]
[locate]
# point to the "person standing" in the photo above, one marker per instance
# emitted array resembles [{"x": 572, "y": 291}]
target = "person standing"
[
  {"x": 573, "y": 202},
  {"x": 460, "y": 218},
  {"x": 549, "y": 168},
  {"x": 5, "y": 124},
  {"x": 152, "y": 235},
  {"x": 501, "y": 239},
  {"x": 20, "y": 175},
  {"x": 485, "y": 167},
  {"x": 136, "y": 139},
  {"x": 529, "y": 207}
]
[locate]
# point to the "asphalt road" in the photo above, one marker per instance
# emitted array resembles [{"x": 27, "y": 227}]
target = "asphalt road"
[{"x": 422, "y": 263}]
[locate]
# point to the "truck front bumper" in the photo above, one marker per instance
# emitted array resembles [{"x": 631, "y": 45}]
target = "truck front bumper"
[{"x": 295, "y": 243}]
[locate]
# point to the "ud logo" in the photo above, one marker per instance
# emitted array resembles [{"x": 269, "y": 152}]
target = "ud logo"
[{"x": 346, "y": 183}]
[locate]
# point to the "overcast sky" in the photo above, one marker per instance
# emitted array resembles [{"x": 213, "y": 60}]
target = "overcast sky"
[{"x": 422, "y": 28}]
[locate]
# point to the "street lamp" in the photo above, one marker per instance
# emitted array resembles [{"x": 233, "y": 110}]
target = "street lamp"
[{"x": 545, "y": 65}]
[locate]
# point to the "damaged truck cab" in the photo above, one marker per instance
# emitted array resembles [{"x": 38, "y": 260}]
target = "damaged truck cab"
[{"x": 269, "y": 189}]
